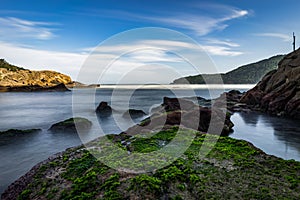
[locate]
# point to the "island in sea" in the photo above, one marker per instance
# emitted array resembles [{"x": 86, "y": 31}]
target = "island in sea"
[{"x": 233, "y": 169}]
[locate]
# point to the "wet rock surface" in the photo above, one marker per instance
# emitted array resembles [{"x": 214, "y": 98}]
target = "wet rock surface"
[
  {"x": 134, "y": 113},
  {"x": 278, "y": 93},
  {"x": 177, "y": 111},
  {"x": 71, "y": 125},
  {"x": 103, "y": 109}
]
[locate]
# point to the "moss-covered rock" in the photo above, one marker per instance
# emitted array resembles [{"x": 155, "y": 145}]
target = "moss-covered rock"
[
  {"x": 233, "y": 169},
  {"x": 16, "y": 132},
  {"x": 71, "y": 125}
]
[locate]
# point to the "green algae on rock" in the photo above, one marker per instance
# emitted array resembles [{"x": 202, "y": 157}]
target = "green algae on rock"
[
  {"x": 71, "y": 124},
  {"x": 233, "y": 169}
]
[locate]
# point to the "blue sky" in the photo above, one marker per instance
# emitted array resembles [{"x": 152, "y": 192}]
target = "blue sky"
[{"x": 60, "y": 34}]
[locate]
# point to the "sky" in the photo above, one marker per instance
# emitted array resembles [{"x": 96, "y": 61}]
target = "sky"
[{"x": 67, "y": 35}]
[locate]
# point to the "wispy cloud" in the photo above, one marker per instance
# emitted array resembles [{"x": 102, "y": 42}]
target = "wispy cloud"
[
  {"x": 223, "y": 43},
  {"x": 14, "y": 28},
  {"x": 213, "y": 47},
  {"x": 197, "y": 20},
  {"x": 283, "y": 37},
  {"x": 201, "y": 25},
  {"x": 65, "y": 62},
  {"x": 221, "y": 51}
]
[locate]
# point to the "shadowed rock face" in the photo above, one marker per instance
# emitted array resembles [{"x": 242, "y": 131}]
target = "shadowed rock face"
[
  {"x": 71, "y": 125},
  {"x": 133, "y": 113},
  {"x": 34, "y": 88},
  {"x": 177, "y": 111},
  {"x": 278, "y": 92},
  {"x": 103, "y": 109}
]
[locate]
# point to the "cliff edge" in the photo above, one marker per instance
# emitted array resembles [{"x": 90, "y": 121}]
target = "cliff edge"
[
  {"x": 278, "y": 92},
  {"x": 13, "y": 77}
]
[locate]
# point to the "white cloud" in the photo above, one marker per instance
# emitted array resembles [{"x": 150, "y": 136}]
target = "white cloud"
[
  {"x": 35, "y": 59},
  {"x": 283, "y": 37},
  {"x": 223, "y": 43},
  {"x": 201, "y": 25},
  {"x": 221, "y": 51},
  {"x": 216, "y": 47},
  {"x": 15, "y": 28},
  {"x": 196, "y": 21}
]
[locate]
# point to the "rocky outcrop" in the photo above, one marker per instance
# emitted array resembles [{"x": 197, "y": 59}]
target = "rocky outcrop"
[
  {"x": 16, "y": 132},
  {"x": 103, "y": 109},
  {"x": 13, "y": 135},
  {"x": 71, "y": 125},
  {"x": 34, "y": 88},
  {"x": 133, "y": 113},
  {"x": 178, "y": 111},
  {"x": 233, "y": 98},
  {"x": 278, "y": 93},
  {"x": 76, "y": 84},
  {"x": 233, "y": 169},
  {"x": 13, "y": 78}
]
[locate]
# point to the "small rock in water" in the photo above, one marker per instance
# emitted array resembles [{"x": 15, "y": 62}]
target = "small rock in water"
[{"x": 71, "y": 125}]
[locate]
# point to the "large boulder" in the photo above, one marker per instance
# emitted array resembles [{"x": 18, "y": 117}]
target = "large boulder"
[
  {"x": 103, "y": 109},
  {"x": 134, "y": 114},
  {"x": 278, "y": 92},
  {"x": 178, "y": 111},
  {"x": 71, "y": 125}
]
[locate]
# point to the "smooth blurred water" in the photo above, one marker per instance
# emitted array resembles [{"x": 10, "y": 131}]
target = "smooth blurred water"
[{"x": 280, "y": 137}]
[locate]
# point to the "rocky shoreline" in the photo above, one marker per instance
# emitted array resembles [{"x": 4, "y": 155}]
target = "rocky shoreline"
[
  {"x": 13, "y": 190},
  {"x": 56, "y": 169},
  {"x": 278, "y": 93},
  {"x": 234, "y": 168},
  {"x": 17, "y": 79}
]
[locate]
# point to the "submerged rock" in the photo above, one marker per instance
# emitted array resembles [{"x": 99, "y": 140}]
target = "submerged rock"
[
  {"x": 16, "y": 132},
  {"x": 278, "y": 93},
  {"x": 71, "y": 125},
  {"x": 13, "y": 135}
]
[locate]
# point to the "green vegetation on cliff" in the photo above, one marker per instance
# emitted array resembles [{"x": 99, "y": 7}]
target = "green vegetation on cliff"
[
  {"x": 234, "y": 169},
  {"x": 247, "y": 74},
  {"x": 10, "y": 67}
]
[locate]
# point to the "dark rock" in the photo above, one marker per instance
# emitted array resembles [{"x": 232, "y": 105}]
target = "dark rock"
[
  {"x": 182, "y": 112},
  {"x": 16, "y": 132},
  {"x": 232, "y": 99},
  {"x": 133, "y": 113},
  {"x": 15, "y": 189},
  {"x": 103, "y": 109},
  {"x": 71, "y": 125},
  {"x": 278, "y": 93},
  {"x": 34, "y": 88},
  {"x": 172, "y": 104}
]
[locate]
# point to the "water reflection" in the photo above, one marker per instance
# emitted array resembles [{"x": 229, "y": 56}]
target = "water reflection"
[
  {"x": 250, "y": 118},
  {"x": 274, "y": 135}
]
